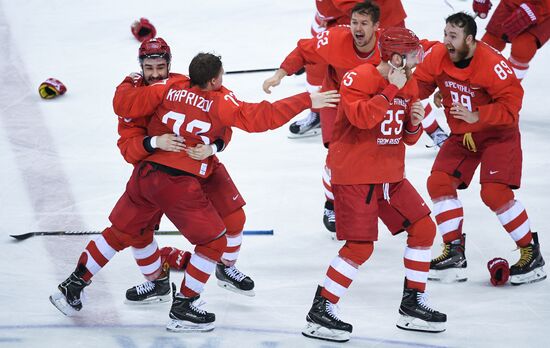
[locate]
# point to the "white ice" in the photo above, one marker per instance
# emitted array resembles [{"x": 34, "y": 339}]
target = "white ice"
[{"x": 61, "y": 170}]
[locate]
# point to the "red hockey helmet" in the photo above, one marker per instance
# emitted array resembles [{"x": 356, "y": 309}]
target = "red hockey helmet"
[
  {"x": 401, "y": 41},
  {"x": 154, "y": 48}
]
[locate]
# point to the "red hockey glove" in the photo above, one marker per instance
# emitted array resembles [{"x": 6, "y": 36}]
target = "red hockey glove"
[
  {"x": 51, "y": 88},
  {"x": 482, "y": 7},
  {"x": 143, "y": 30},
  {"x": 175, "y": 258},
  {"x": 499, "y": 270},
  {"x": 522, "y": 18}
]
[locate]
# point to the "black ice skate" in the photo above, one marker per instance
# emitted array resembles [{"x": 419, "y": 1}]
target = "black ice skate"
[
  {"x": 529, "y": 268},
  {"x": 156, "y": 291},
  {"x": 451, "y": 265},
  {"x": 186, "y": 315},
  {"x": 306, "y": 127},
  {"x": 232, "y": 279},
  {"x": 323, "y": 322},
  {"x": 438, "y": 136},
  {"x": 68, "y": 299},
  {"x": 415, "y": 315},
  {"x": 329, "y": 218}
]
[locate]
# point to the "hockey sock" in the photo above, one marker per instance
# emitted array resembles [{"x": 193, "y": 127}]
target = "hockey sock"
[
  {"x": 343, "y": 269},
  {"x": 447, "y": 208},
  {"x": 148, "y": 260},
  {"x": 98, "y": 252},
  {"x": 234, "y": 224},
  {"x": 201, "y": 265},
  {"x": 429, "y": 123},
  {"x": 511, "y": 213},
  {"x": 417, "y": 256},
  {"x": 524, "y": 48},
  {"x": 417, "y": 266}
]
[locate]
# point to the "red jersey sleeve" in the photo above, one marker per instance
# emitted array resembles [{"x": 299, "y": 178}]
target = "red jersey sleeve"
[
  {"x": 362, "y": 104},
  {"x": 133, "y": 102},
  {"x": 258, "y": 117},
  {"x": 304, "y": 53},
  {"x": 132, "y": 132},
  {"x": 503, "y": 87}
]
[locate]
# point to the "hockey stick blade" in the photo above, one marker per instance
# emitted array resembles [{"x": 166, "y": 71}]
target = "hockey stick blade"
[{"x": 158, "y": 233}]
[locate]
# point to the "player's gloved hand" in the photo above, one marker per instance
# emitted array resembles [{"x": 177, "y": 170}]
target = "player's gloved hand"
[
  {"x": 177, "y": 259},
  {"x": 143, "y": 30},
  {"x": 51, "y": 88},
  {"x": 482, "y": 7},
  {"x": 522, "y": 18},
  {"x": 499, "y": 270}
]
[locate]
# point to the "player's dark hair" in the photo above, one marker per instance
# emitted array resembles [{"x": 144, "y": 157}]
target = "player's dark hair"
[
  {"x": 368, "y": 8},
  {"x": 203, "y": 68},
  {"x": 464, "y": 21}
]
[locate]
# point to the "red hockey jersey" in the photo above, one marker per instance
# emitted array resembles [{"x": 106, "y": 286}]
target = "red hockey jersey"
[
  {"x": 334, "y": 47},
  {"x": 370, "y": 133},
  {"x": 200, "y": 116},
  {"x": 487, "y": 85}
]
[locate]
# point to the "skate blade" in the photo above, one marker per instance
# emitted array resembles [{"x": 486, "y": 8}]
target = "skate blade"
[
  {"x": 450, "y": 275},
  {"x": 233, "y": 288},
  {"x": 317, "y": 331},
  {"x": 534, "y": 276},
  {"x": 406, "y": 322},
  {"x": 60, "y": 302},
  {"x": 175, "y": 325},
  {"x": 333, "y": 235},
  {"x": 309, "y": 133},
  {"x": 150, "y": 301}
]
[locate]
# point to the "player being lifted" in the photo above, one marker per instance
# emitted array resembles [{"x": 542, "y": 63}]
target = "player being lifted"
[
  {"x": 482, "y": 99},
  {"x": 199, "y": 109},
  {"x": 378, "y": 115}
]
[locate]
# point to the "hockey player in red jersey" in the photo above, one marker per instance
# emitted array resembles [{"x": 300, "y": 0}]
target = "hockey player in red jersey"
[
  {"x": 154, "y": 56},
  {"x": 525, "y": 24},
  {"x": 341, "y": 48},
  {"x": 135, "y": 146},
  {"x": 331, "y": 13},
  {"x": 199, "y": 109},
  {"x": 378, "y": 115},
  {"x": 482, "y": 99}
]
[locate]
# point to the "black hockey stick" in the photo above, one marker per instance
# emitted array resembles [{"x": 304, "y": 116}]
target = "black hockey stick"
[
  {"x": 299, "y": 72},
  {"x": 250, "y": 71},
  {"x": 80, "y": 233}
]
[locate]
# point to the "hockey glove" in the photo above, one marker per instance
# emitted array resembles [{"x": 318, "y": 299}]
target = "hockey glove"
[
  {"x": 143, "y": 30},
  {"x": 522, "y": 18},
  {"x": 177, "y": 259},
  {"x": 482, "y": 7},
  {"x": 51, "y": 88},
  {"x": 499, "y": 270}
]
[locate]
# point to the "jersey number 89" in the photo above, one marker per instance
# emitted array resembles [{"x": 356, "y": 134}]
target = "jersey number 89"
[{"x": 503, "y": 70}]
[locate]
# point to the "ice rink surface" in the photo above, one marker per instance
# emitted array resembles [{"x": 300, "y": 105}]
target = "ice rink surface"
[{"x": 62, "y": 170}]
